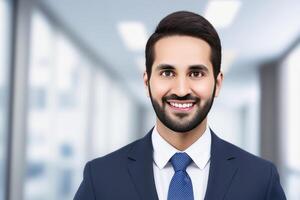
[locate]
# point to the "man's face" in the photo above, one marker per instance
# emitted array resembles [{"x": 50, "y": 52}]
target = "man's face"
[{"x": 182, "y": 86}]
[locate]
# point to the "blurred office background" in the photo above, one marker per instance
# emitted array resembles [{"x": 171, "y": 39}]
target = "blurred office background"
[{"x": 71, "y": 85}]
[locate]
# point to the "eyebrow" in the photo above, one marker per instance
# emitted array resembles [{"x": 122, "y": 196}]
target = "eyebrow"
[
  {"x": 199, "y": 67},
  {"x": 164, "y": 67},
  {"x": 191, "y": 67}
]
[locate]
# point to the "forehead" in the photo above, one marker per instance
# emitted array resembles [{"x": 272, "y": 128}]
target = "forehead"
[{"x": 181, "y": 51}]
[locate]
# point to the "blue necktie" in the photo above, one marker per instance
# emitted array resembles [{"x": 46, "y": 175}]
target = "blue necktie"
[{"x": 181, "y": 187}]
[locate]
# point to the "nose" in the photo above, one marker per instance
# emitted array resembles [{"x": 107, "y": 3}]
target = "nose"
[{"x": 181, "y": 87}]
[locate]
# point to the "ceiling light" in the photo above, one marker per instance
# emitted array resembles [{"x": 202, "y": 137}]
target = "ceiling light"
[
  {"x": 222, "y": 12},
  {"x": 133, "y": 34}
]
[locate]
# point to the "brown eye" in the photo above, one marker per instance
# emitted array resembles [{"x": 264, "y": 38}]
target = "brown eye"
[
  {"x": 167, "y": 73},
  {"x": 196, "y": 74}
]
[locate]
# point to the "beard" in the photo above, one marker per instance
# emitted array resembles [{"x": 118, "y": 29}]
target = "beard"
[{"x": 181, "y": 124}]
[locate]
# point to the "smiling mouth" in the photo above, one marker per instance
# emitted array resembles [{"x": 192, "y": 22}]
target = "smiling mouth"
[{"x": 184, "y": 106}]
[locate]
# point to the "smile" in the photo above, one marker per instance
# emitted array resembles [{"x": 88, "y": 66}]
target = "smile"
[
  {"x": 186, "y": 106},
  {"x": 181, "y": 105}
]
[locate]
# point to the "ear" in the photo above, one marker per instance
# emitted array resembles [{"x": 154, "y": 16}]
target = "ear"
[
  {"x": 219, "y": 82},
  {"x": 146, "y": 83}
]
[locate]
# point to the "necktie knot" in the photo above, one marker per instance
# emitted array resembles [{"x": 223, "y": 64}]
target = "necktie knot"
[{"x": 180, "y": 161}]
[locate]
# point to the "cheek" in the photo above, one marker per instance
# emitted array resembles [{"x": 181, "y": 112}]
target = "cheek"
[
  {"x": 204, "y": 91},
  {"x": 159, "y": 92},
  {"x": 158, "y": 89}
]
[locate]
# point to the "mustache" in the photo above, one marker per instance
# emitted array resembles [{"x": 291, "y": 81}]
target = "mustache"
[{"x": 175, "y": 97}]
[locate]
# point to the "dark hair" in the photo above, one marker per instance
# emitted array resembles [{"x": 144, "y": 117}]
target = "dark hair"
[{"x": 190, "y": 24}]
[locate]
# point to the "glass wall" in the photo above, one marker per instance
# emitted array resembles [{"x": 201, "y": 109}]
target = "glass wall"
[
  {"x": 290, "y": 89},
  {"x": 5, "y": 25},
  {"x": 73, "y": 108},
  {"x": 238, "y": 103},
  {"x": 112, "y": 106}
]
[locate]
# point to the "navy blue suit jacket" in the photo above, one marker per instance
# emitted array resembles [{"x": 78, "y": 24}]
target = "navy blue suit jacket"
[{"x": 127, "y": 174}]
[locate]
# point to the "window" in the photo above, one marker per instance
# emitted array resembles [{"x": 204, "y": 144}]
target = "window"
[
  {"x": 73, "y": 107},
  {"x": 57, "y": 114},
  {"x": 291, "y": 91},
  {"x": 5, "y": 22}
]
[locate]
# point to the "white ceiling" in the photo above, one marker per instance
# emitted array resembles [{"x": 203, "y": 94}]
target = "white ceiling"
[{"x": 262, "y": 30}]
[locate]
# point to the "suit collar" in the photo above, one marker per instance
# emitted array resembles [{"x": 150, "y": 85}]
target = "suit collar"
[
  {"x": 199, "y": 151},
  {"x": 221, "y": 172},
  {"x": 140, "y": 168},
  {"x": 222, "y": 169}
]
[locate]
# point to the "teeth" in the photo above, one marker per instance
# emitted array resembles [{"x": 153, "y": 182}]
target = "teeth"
[{"x": 181, "y": 105}]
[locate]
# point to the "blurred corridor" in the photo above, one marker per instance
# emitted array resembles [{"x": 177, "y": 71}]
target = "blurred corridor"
[{"x": 71, "y": 85}]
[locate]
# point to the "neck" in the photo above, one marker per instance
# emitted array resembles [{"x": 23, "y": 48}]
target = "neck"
[{"x": 179, "y": 140}]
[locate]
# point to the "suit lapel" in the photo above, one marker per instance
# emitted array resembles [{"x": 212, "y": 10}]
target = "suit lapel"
[
  {"x": 222, "y": 170},
  {"x": 140, "y": 168}
]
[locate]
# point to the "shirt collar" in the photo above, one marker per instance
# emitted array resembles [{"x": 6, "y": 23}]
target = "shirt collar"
[{"x": 199, "y": 151}]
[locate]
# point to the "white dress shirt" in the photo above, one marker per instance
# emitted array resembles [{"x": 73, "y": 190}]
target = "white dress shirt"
[{"x": 198, "y": 170}]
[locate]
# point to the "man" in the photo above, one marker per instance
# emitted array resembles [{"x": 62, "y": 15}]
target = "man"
[{"x": 181, "y": 158}]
